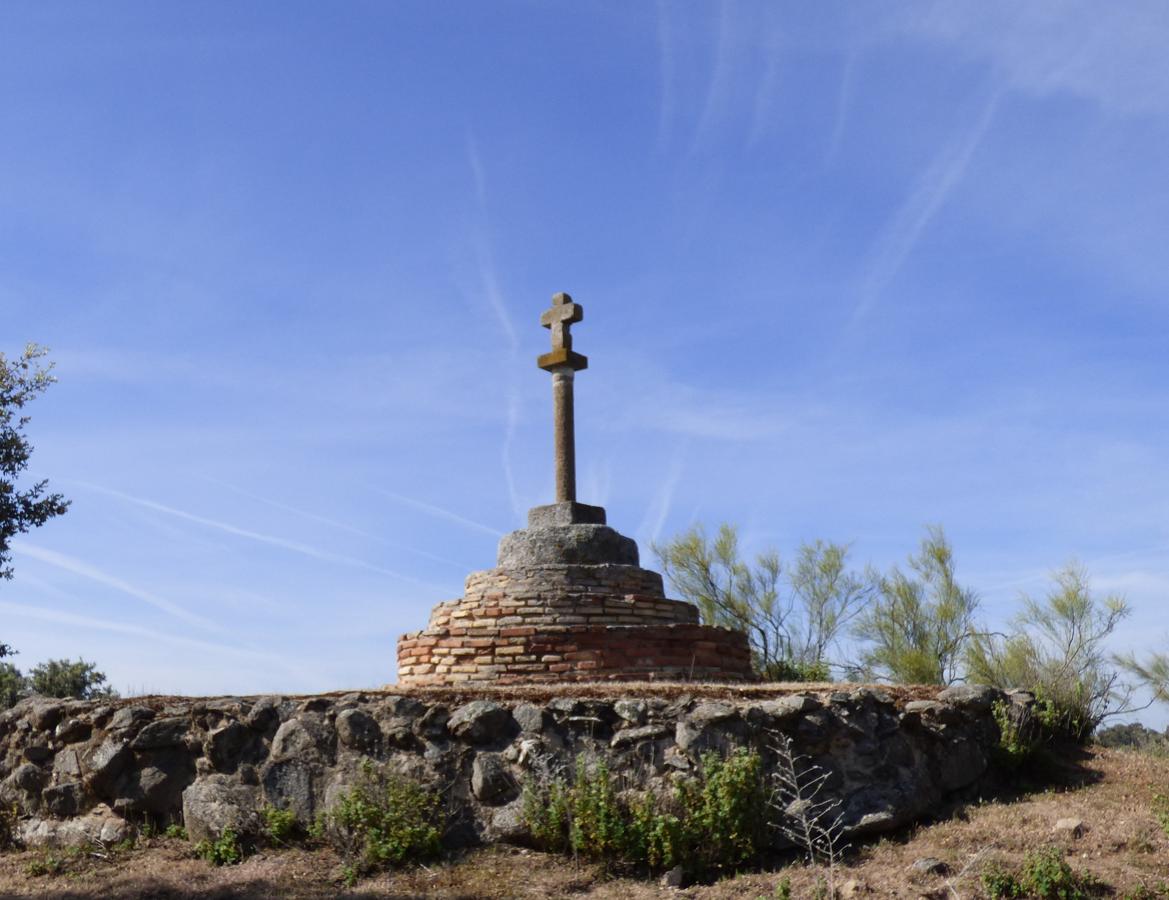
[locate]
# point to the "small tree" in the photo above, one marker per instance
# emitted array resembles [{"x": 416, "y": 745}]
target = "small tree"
[
  {"x": 20, "y": 381},
  {"x": 64, "y": 678},
  {"x": 790, "y": 633},
  {"x": 1056, "y": 649},
  {"x": 918, "y": 628},
  {"x": 1152, "y": 672},
  {"x": 12, "y": 685}
]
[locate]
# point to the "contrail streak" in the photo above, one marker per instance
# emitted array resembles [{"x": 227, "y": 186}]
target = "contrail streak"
[
  {"x": 439, "y": 513},
  {"x": 85, "y": 570},
  {"x": 292, "y": 546}
]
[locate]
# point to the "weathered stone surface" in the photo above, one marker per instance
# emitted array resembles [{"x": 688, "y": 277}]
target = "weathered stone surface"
[
  {"x": 224, "y": 746},
  {"x": 480, "y": 722},
  {"x": 100, "y": 827},
  {"x": 628, "y": 736},
  {"x": 292, "y": 784},
  {"x": 64, "y": 800},
  {"x": 106, "y": 762},
  {"x": 358, "y": 730},
  {"x": 970, "y": 696},
  {"x": 885, "y": 765},
  {"x": 633, "y": 711},
  {"x": 168, "y": 732},
  {"x": 570, "y": 513},
  {"x": 36, "y": 753},
  {"x": 491, "y": 781},
  {"x": 565, "y": 545},
  {"x": 307, "y": 736},
  {"x": 130, "y": 717},
  {"x": 214, "y": 803},
  {"x": 929, "y": 865},
  {"x": 157, "y": 786},
  {"x": 532, "y": 719},
  {"x": 27, "y": 777},
  {"x": 73, "y": 730},
  {"x": 45, "y": 714}
]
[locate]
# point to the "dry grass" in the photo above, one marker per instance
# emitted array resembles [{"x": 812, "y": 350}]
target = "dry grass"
[{"x": 1109, "y": 790}]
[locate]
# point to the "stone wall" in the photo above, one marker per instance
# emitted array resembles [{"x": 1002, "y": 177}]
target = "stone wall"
[{"x": 80, "y": 771}]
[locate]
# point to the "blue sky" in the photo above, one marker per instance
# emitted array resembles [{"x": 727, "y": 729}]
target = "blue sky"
[{"x": 848, "y": 269}]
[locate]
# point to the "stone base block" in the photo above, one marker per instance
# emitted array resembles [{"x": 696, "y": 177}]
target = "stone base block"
[{"x": 565, "y": 514}]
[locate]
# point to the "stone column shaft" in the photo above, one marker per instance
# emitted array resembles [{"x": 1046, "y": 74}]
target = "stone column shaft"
[{"x": 563, "y": 436}]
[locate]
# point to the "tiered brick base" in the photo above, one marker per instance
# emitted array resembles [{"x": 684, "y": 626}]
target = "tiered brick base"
[{"x": 568, "y": 623}]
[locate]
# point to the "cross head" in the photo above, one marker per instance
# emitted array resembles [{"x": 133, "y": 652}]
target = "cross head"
[{"x": 558, "y": 320}]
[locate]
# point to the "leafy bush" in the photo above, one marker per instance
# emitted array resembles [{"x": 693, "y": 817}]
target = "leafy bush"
[
  {"x": 1045, "y": 875},
  {"x": 384, "y": 820},
  {"x": 792, "y": 619},
  {"x": 65, "y": 678},
  {"x": 726, "y": 811},
  {"x": 280, "y": 825},
  {"x": 175, "y": 832},
  {"x": 917, "y": 630},
  {"x": 716, "y": 821},
  {"x": 225, "y": 850},
  {"x": 1056, "y": 650},
  {"x": 1023, "y": 731},
  {"x": 1133, "y": 736}
]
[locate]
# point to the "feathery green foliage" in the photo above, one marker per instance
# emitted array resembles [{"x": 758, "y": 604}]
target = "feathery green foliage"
[
  {"x": 918, "y": 628},
  {"x": 385, "y": 819},
  {"x": 717, "y": 821},
  {"x": 791, "y": 622},
  {"x": 1056, "y": 650}
]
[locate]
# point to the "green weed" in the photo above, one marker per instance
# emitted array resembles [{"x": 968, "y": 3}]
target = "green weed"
[
  {"x": 1045, "y": 875},
  {"x": 716, "y": 821},
  {"x": 384, "y": 820},
  {"x": 280, "y": 825},
  {"x": 225, "y": 850}
]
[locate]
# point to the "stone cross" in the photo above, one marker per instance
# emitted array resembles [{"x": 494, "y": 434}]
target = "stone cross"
[{"x": 563, "y": 364}]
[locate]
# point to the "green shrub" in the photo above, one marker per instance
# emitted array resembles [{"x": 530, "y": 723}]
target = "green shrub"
[
  {"x": 726, "y": 811},
  {"x": 225, "y": 850},
  {"x": 546, "y": 815},
  {"x": 47, "y": 863},
  {"x": 1161, "y": 811},
  {"x": 1056, "y": 649},
  {"x": 1045, "y": 875},
  {"x": 175, "y": 831},
  {"x": 9, "y": 816},
  {"x": 716, "y": 821},
  {"x": 280, "y": 825},
  {"x": 384, "y": 820}
]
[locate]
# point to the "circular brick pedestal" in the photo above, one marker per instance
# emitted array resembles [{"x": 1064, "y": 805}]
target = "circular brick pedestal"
[{"x": 556, "y": 610}]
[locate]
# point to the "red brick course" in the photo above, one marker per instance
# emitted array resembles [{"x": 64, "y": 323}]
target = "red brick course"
[{"x": 569, "y": 623}]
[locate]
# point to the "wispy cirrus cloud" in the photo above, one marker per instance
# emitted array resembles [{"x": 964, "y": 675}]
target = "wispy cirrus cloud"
[
  {"x": 85, "y": 570},
  {"x": 899, "y": 237},
  {"x": 439, "y": 513},
  {"x": 1117, "y": 60},
  {"x": 333, "y": 523},
  {"x": 248, "y": 534},
  {"x": 492, "y": 293},
  {"x": 659, "y": 509}
]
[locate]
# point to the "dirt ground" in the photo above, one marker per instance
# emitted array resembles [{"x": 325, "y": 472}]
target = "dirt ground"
[{"x": 1110, "y": 791}]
